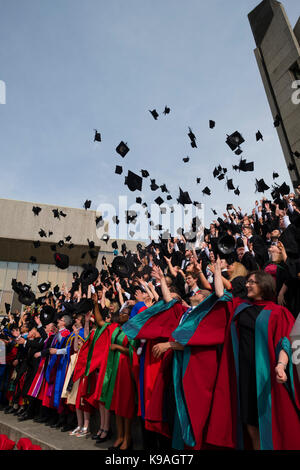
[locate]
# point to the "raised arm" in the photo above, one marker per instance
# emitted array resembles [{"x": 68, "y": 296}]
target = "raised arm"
[
  {"x": 158, "y": 274},
  {"x": 170, "y": 266},
  {"x": 219, "y": 288},
  {"x": 98, "y": 317}
]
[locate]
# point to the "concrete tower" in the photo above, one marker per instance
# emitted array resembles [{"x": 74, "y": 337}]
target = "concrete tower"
[{"x": 278, "y": 58}]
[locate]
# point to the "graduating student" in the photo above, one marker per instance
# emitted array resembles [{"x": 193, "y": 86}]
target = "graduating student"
[{"x": 257, "y": 390}]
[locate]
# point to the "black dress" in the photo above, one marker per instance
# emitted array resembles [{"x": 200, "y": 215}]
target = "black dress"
[{"x": 248, "y": 396}]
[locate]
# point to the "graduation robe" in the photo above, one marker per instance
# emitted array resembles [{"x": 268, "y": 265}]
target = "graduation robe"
[
  {"x": 56, "y": 370},
  {"x": 278, "y": 404},
  {"x": 154, "y": 324},
  {"x": 193, "y": 371}
]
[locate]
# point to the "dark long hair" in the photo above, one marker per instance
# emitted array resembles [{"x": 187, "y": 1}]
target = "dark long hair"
[{"x": 266, "y": 284}]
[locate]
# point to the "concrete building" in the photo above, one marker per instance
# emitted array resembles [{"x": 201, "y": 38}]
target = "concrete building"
[
  {"x": 19, "y": 228},
  {"x": 278, "y": 58}
]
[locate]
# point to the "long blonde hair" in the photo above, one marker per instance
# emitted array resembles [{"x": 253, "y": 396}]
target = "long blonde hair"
[{"x": 238, "y": 270}]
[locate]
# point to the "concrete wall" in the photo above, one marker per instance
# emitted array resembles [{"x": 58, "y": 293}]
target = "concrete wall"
[
  {"x": 278, "y": 50},
  {"x": 19, "y": 227}
]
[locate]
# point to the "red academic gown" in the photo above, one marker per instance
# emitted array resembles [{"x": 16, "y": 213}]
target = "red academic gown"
[
  {"x": 157, "y": 330},
  {"x": 278, "y": 407},
  {"x": 91, "y": 378},
  {"x": 194, "y": 381}
]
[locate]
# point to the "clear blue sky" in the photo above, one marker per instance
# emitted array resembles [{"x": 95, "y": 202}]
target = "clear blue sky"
[{"x": 71, "y": 66}]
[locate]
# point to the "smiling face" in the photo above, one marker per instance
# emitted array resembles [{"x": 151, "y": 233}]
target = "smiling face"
[{"x": 253, "y": 288}]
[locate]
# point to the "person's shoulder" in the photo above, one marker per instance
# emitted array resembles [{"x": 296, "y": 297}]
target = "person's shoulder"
[{"x": 65, "y": 333}]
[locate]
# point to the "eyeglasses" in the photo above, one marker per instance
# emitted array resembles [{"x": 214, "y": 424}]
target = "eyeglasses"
[{"x": 251, "y": 282}]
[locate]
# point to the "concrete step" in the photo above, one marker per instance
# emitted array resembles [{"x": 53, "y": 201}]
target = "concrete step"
[{"x": 53, "y": 439}]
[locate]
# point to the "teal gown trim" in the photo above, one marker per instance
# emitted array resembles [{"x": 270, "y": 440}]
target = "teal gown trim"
[
  {"x": 183, "y": 432},
  {"x": 263, "y": 380},
  {"x": 133, "y": 326}
]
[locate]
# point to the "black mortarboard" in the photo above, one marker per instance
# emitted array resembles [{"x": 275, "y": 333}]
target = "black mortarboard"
[
  {"x": 50, "y": 233},
  {"x": 55, "y": 213},
  {"x": 164, "y": 188},
  {"x": 238, "y": 151},
  {"x": 275, "y": 175},
  {"x": 118, "y": 170},
  {"x": 224, "y": 170},
  {"x": 71, "y": 246},
  {"x": 115, "y": 219},
  {"x": 26, "y": 296},
  {"x": 284, "y": 189},
  {"x": 105, "y": 237},
  {"x": 214, "y": 212},
  {"x": 191, "y": 134},
  {"x": 68, "y": 238},
  {"x": 91, "y": 243},
  {"x": 261, "y": 186},
  {"x": 221, "y": 177},
  {"x": 296, "y": 154},
  {"x": 277, "y": 121},
  {"x": 153, "y": 185},
  {"x": 37, "y": 244},
  {"x": 97, "y": 136},
  {"x": 259, "y": 136},
  {"x": 130, "y": 216},
  {"x": 167, "y": 110},
  {"x": 229, "y": 207},
  {"x": 138, "y": 200},
  {"x": 198, "y": 180},
  {"x": 87, "y": 204},
  {"x": 246, "y": 166},
  {"x": 62, "y": 214},
  {"x": 145, "y": 173},
  {"x": 114, "y": 245},
  {"x": 234, "y": 140},
  {"x": 34, "y": 272},
  {"x": 61, "y": 243},
  {"x": 134, "y": 181},
  {"x": 154, "y": 113},
  {"x": 53, "y": 247},
  {"x": 186, "y": 159},
  {"x": 36, "y": 210},
  {"x": 61, "y": 261},
  {"x": 7, "y": 308},
  {"x": 159, "y": 201},
  {"x": 42, "y": 233},
  {"x": 169, "y": 197},
  {"x": 122, "y": 149},
  {"x": 47, "y": 315},
  {"x": 33, "y": 259},
  {"x": 99, "y": 220},
  {"x": 215, "y": 172},
  {"x": 44, "y": 287},
  {"x": 229, "y": 184},
  {"x": 211, "y": 124},
  {"x": 237, "y": 191},
  {"x": 206, "y": 191},
  {"x": 184, "y": 197},
  {"x": 193, "y": 144}
]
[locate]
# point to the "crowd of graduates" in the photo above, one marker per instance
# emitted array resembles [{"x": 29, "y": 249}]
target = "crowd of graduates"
[{"x": 195, "y": 342}]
